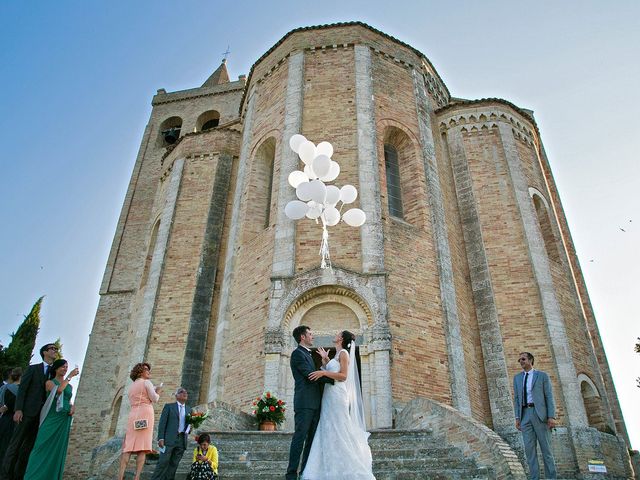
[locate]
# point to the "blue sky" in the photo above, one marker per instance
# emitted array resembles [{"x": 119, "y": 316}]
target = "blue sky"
[{"x": 76, "y": 81}]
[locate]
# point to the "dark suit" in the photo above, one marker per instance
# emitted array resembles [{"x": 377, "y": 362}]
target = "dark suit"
[
  {"x": 175, "y": 442},
  {"x": 533, "y": 420},
  {"x": 307, "y": 399},
  {"x": 30, "y": 399}
]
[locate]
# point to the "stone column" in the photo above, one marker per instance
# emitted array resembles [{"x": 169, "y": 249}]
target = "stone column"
[
  {"x": 584, "y": 444},
  {"x": 371, "y": 234},
  {"x": 216, "y": 381},
  {"x": 143, "y": 324},
  {"x": 368, "y": 169},
  {"x": 457, "y": 368},
  {"x": 284, "y": 252},
  {"x": 598, "y": 358},
  {"x": 495, "y": 366},
  {"x": 570, "y": 391},
  {"x": 205, "y": 281}
]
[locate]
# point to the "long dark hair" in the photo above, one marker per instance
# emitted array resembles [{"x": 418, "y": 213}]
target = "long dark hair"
[
  {"x": 55, "y": 366},
  {"x": 347, "y": 338}
]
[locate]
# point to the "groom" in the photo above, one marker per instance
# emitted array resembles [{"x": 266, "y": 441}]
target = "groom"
[{"x": 306, "y": 401}]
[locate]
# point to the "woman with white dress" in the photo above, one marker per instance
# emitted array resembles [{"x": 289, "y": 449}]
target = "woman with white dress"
[{"x": 340, "y": 448}]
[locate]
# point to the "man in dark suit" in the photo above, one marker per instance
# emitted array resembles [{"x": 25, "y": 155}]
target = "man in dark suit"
[
  {"x": 29, "y": 402},
  {"x": 307, "y": 398},
  {"x": 535, "y": 413},
  {"x": 172, "y": 436}
]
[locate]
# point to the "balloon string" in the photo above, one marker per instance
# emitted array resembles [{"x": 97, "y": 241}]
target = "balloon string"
[{"x": 324, "y": 248}]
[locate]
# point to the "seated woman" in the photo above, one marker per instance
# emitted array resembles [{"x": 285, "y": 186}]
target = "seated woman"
[{"x": 205, "y": 460}]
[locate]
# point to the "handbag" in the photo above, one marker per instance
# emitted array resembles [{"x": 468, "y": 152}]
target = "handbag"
[{"x": 140, "y": 424}]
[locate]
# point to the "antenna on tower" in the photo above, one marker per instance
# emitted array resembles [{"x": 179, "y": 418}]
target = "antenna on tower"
[{"x": 225, "y": 55}]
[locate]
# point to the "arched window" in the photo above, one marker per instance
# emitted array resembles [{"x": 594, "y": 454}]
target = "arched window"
[
  {"x": 258, "y": 213},
  {"x": 208, "y": 120},
  {"x": 404, "y": 187},
  {"x": 149, "y": 257},
  {"x": 593, "y": 404},
  {"x": 392, "y": 170},
  {"x": 546, "y": 228},
  {"x": 169, "y": 131},
  {"x": 115, "y": 413}
]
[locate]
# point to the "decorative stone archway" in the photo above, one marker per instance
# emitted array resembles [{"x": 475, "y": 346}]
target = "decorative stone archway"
[{"x": 327, "y": 304}]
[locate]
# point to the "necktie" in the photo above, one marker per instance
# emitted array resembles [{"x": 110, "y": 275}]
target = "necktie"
[
  {"x": 181, "y": 413},
  {"x": 524, "y": 390},
  {"x": 46, "y": 370}
]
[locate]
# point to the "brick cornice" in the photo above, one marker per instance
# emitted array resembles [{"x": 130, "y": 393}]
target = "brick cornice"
[
  {"x": 427, "y": 63},
  {"x": 478, "y": 115}
]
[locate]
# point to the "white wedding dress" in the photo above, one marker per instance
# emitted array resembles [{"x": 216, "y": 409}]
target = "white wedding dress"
[{"x": 340, "y": 448}]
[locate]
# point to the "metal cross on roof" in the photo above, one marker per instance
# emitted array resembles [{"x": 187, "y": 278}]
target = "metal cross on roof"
[{"x": 226, "y": 54}]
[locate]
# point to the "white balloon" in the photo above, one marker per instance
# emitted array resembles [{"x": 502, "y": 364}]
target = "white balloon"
[
  {"x": 295, "y": 141},
  {"x": 325, "y": 148},
  {"x": 333, "y": 195},
  {"x": 296, "y": 209},
  {"x": 354, "y": 217},
  {"x": 334, "y": 171},
  {"x": 307, "y": 152},
  {"x": 297, "y": 177},
  {"x": 321, "y": 165},
  {"x": 331, "y": 216},
  {"x": 304, "y": 191},
  {"x": 315, "y": 210},
  {"x": 348, "y": 194},
  {"x": 318, "y": 191},
  {"x": 309, "y": 172}
]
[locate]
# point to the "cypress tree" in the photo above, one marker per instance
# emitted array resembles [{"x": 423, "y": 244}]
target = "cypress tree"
[
  {"x": 59, "y": 345},
  {"x": 20, "y": 350}
]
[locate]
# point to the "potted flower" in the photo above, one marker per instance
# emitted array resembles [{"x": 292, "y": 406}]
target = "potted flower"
[{"x": 269, "y": 411}]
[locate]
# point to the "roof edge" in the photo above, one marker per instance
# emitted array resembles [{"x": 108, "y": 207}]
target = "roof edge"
[{"x": 334, "y": 25}]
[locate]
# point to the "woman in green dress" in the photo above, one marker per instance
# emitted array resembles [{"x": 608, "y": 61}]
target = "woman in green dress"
[{"x": 50, "y": 450}]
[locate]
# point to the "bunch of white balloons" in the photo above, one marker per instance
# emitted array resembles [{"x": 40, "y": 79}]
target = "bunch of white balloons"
[{"x": 316, "y": 200}]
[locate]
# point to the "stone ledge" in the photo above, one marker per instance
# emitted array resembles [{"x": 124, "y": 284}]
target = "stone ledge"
[{"x": 470, "y": 436}]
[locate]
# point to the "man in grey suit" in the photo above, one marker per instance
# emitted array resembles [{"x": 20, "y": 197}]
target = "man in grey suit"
[
  {"x": 535, "y": 415},
  {"x": 172, "y": 436}
]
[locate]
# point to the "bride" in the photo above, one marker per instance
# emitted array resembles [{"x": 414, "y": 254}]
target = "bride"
[{"x": 340, "y": 448}]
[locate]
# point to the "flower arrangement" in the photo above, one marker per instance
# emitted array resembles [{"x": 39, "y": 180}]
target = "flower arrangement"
[
  {"x": 269, "y": 408},
  {"x": 195, "y": 419}
]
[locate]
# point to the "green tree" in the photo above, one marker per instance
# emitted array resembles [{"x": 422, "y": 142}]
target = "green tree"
[
  {"x": 59, "y": 345},
  {"x": 23, "y": 340}
]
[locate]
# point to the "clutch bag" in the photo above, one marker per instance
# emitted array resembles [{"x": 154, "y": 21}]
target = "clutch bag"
[{"x": 140, "y": 424}]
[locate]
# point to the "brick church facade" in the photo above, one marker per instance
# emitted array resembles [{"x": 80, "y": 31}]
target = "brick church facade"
[{"x": 465, "y": 260}]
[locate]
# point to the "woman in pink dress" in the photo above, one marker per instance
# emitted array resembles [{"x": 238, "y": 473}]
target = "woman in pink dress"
[{"x": 139, "y": 436}]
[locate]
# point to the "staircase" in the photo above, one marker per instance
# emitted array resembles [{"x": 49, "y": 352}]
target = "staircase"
[{"x": 397, "y": 454}]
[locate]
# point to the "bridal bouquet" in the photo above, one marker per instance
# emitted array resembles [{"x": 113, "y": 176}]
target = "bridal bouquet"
[
  {"x": 269, "y": 408},
  {"x": 195, "y": 419}
]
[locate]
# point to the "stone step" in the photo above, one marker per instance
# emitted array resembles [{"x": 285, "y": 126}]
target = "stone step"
[
  {"x": 247, "y": 452},
  {"x": 397, "y": 454}
]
